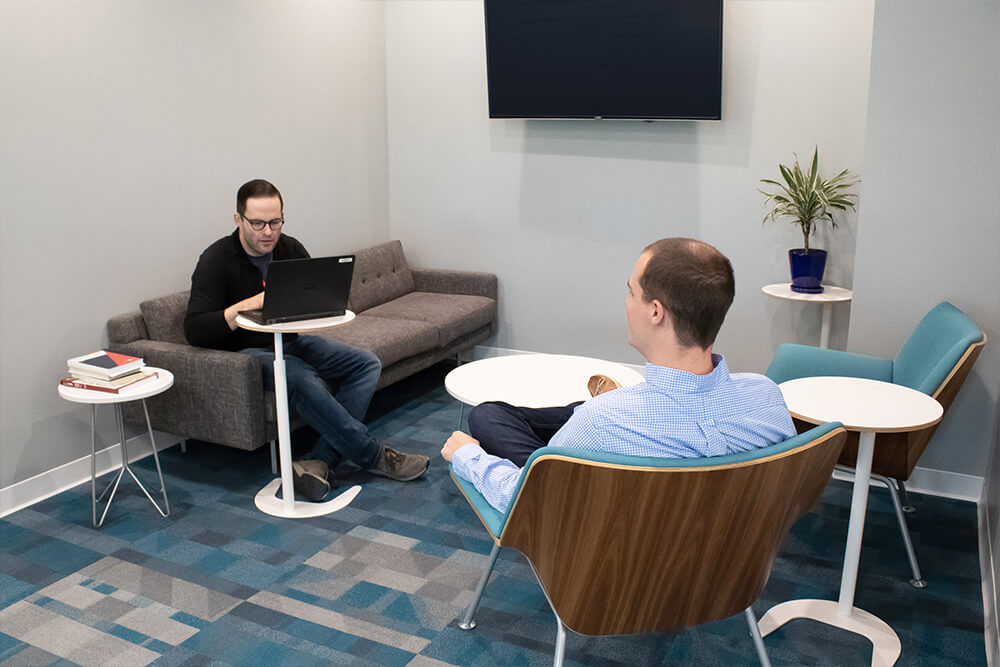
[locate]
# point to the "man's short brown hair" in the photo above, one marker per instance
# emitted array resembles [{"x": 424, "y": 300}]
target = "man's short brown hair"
[
  {"x": 695, "y": 284},
  {"x": 256, "y": 188}
]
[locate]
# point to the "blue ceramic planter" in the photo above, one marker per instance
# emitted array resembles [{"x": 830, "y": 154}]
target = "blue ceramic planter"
[{"x": 807, "y": 269}]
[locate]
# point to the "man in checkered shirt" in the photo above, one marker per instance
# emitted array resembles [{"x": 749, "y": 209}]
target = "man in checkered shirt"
[{"x": 689, "y": 406}]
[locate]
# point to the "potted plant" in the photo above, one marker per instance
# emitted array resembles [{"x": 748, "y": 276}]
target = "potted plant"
[{"x": 807, "y": 200}]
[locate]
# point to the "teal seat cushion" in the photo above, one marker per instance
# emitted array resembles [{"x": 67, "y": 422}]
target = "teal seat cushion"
[
  {"x": 495, "y": 520},
  {"x": 796, "y": 361},
  {"x": 934, "y": 348}
]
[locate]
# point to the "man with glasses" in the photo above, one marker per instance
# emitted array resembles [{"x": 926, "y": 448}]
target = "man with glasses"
[{"x": 230, "y": 277}]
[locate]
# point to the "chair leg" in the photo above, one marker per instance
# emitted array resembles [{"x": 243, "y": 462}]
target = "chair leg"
[
  {"x": 274, "y": 458},
  {"x": 467, "y": 623},
  {"x": 758, "y": 641},
  {"x": 904, "y": 497},
  {"x": 557, "y": 659},
  {"x": 917, "y": 581}
]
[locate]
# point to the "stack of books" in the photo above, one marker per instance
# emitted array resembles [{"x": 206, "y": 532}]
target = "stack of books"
[{"x": 106, "y": 371}]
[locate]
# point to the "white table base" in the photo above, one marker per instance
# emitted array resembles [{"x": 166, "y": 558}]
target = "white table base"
[
  {"x": 266, "y": 499},
  {"x": 843, "y": 614},
  {"x": 885, "y": 644}
]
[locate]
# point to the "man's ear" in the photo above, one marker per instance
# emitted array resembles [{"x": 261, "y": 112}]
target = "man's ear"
[
  {"x": 657, "y": 313},
  {"x": 236, "y": 218}
]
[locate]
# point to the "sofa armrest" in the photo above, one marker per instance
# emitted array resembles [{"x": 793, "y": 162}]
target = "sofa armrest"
[
  {"x": 126, "y": 328},
  {"x": 218, "y": 396},
  {"x": 473, "y": 283}
]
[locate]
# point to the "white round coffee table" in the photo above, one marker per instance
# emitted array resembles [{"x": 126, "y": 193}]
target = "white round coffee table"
[
  {"x": 266, "y": 499},
  {"x": 868, "y": 407},
  {"x": 532, "y": 380},
  {"x": 829, "y": 296},
  {"x": 139, "y": 391}
]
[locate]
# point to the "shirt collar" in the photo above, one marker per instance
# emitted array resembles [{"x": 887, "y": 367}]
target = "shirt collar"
[{"x": 673, "y": 380}]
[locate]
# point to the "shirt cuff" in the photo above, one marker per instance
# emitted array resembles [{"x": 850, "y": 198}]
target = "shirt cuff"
[{"x": 464, "y": 457}]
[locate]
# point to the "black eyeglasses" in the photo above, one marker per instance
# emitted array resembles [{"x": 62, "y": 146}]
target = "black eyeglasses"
[{"x": 258, "y": 225}]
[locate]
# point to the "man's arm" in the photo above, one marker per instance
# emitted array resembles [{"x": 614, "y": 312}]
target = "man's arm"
[
  {"x": 209, "y": 319},
  {"x": 494, "y": 477}
]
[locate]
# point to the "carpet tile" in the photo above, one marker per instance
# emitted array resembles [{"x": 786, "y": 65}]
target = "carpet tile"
[{"x": 386, "y": 580}]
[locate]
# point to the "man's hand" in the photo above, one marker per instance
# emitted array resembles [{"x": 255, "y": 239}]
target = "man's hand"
[
  {"x": 455, "y": 442},
  {"x": 249, "y": 303}
]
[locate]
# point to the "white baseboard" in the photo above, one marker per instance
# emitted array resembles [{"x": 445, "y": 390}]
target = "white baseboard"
[
  {"x": 923, "y": 480},
  {"x": 47, "y": 484}
]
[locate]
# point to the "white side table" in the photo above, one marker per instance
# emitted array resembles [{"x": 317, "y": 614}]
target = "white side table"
[
  {"x": 829, "y": 296},
  {"x": 138, "y": 392},
  {"x": 869, "y": 407},
  {"x": 266, "y": 499},
  {"x": 532, "y": 380}
]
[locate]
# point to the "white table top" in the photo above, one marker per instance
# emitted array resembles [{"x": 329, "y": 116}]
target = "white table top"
[
  {"x": 532, "y": 380},
  {"x": 830, "y": 294},
  {"x": 860, "y": 404},
  {"x": 144, "y": 389},
  {"x": 302, "y": 326}
]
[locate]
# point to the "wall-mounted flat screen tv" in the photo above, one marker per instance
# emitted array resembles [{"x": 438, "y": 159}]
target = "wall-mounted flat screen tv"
[{"x": 649, "y": 59}]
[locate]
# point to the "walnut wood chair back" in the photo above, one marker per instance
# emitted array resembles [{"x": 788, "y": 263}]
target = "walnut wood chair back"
[
  {"x": 627, "y": 549},
  {"x": 625, "y": 545}
]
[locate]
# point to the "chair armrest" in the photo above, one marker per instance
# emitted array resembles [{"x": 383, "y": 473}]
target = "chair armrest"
[
  {"x": 218, "y": 396},
  {"x": 473, "y": 283},
  {"x": 796, "y": 361}
]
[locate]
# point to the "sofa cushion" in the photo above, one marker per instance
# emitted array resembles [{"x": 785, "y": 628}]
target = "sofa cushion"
[
  {"x": 452, "y": 314},
  {"x": 164, "y": 317},
  {"x": 380, "y": 274},
  {"x": 389, "y": 339}
]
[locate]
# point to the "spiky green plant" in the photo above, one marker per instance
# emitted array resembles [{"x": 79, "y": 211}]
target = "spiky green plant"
[{"x": 806, "y": 198}]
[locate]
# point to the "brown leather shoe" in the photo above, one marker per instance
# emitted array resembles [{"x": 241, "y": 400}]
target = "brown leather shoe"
[
  {"x": 598, "y": 384},
  {"x": 399, "y": 466}
]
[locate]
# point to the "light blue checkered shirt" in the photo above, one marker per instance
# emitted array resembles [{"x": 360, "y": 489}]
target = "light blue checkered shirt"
[{"x": 673, "y": 414}]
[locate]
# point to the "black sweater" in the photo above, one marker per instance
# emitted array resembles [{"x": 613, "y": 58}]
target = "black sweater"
[{"x": 224, "y": 275}]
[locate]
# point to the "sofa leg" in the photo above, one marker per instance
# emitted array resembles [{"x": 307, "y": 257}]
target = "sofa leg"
[{"x": 274, "y": 458}]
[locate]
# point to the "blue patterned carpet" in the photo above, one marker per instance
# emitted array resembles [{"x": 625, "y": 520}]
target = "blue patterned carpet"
[{"x": 384, "y": 581}]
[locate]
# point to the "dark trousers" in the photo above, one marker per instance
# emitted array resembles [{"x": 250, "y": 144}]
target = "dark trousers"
[{"x": 513, "y": 433}]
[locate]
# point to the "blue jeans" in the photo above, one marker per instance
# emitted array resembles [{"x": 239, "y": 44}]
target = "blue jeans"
[{"x": 314, "y": 367}]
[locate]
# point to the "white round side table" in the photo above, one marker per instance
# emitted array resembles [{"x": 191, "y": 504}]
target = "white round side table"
[
  {"x": 531, "y": 380},
  {"x": 868, "y": 407},
  {"x": 266, "y": 499},
  {"x": 829, "y": 296},
  {"x": 140, "y": 391}
]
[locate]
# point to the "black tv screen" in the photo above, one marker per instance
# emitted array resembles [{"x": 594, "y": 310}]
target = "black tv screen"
[{"x": 649, "y": 59}]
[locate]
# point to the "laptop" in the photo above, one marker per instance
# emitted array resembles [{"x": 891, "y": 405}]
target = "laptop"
[{"x": 305, "y": 289}]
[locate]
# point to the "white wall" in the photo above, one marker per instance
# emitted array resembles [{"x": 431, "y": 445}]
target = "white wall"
[
  {"x": 930, "y": 226},
  {"x": 127, "y": 127},
  {"x": 561, "y": 209}
]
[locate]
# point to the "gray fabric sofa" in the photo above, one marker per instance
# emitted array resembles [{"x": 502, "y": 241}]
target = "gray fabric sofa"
[{"x": 409, "y": 318}]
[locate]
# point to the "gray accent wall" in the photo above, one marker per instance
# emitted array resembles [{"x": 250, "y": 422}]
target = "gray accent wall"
[
  {"x": 126, "y": 129},
  {"x": 929, "y": 226}
]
